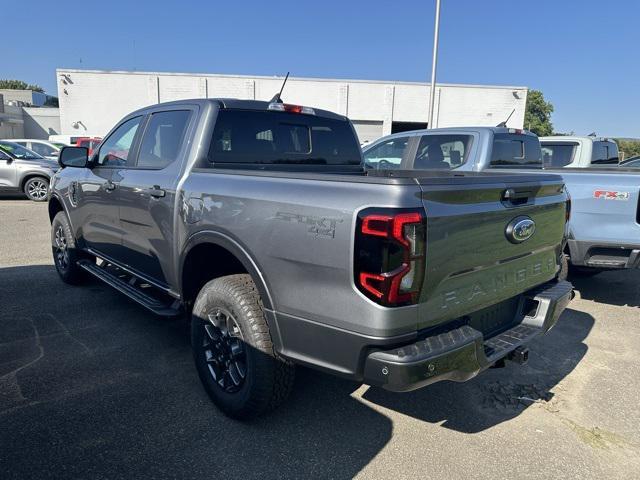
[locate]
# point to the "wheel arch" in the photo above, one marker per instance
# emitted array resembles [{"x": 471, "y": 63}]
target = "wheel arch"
[
  {"x": 55, "y": 206},
  {"x": 230, "y": 258},
  {"x": 29, "y": 175}
]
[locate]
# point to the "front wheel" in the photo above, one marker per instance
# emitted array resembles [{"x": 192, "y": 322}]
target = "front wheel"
[
  {"x": 65, "y": 253},
  {"x": 233, "y": 349},
  {"x": 36, "y": 189}
]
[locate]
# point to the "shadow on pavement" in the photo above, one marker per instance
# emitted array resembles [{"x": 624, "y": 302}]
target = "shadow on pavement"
[
  {"x": 610, "y": 287},
  {"x": 91, "y": 385},
  {"x": 13, "y": 196}
]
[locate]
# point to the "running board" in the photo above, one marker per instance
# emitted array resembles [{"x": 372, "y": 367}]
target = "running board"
[{"x": 133, "y": 287}]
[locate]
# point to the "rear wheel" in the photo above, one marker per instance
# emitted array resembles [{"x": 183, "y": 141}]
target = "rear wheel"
[
  {"x": 37, "y": 188},
  {"x": 233, "y": 350},
  {"x": 65, "y": 253}
]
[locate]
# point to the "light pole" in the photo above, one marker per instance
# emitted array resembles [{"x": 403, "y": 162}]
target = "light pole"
[{"x": 434, "y": 64}]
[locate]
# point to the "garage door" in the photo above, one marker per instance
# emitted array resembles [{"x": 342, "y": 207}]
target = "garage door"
[{"x": 367, "y": 131}]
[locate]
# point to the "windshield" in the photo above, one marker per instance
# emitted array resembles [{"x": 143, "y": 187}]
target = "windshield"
[
  {"x": 18, "y": 151},
  {"x": 386, "y": 155}
]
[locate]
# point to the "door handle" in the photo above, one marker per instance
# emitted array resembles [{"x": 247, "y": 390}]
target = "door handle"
[
  {"x": 155, "y": 191},
  {"x": 109, "y": 186}
]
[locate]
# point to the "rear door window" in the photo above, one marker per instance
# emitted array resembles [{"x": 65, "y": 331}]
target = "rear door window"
[
  {"x": 268, "y": 137},
  {"x": 557, "y": 155},
  {"x": 388, "y": 154},
  {"x": 163, "y": 138},
  {"x": 516, "y": 151},
  {"x": 442, "y": 152}
]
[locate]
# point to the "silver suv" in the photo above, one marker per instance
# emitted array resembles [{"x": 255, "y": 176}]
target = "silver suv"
[{"x": 24, "y": 170}]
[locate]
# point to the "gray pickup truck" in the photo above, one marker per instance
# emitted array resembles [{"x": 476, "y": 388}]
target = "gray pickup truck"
[
  {"x": 604, "y": 230},
  {"x": 260, "y": 221},
  {"x": 23, "y": 170}
]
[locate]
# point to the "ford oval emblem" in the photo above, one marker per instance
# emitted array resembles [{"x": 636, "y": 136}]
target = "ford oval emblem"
[{"x": 520, "y": 229}]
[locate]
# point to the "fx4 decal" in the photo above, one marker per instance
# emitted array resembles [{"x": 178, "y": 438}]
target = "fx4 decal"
[{"x": 607, "y": 195}]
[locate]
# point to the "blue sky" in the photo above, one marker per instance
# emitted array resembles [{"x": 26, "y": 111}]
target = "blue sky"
[{"x": 581, "y": 54}]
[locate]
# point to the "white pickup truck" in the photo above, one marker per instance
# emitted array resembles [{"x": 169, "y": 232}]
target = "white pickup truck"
[
  {"x": 604, "y": 230},
  {"x": 578, "y": 152}
]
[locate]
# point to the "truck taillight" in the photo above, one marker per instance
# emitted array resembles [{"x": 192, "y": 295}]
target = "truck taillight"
[
  {"x": 286, "y": 107},
  {"x": 568, "y": 205},
  {"x": 389, "y": 258}
]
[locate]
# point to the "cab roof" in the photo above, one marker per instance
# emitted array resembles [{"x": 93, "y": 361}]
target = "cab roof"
[{"x": 236, "y": 104}]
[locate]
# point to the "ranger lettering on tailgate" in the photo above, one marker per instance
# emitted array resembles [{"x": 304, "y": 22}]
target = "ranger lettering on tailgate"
[{"x": 468, "y": 293}]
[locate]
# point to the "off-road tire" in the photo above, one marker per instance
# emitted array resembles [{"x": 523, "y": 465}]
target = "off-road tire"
[
  {"x": 68, "y": 270},
  {"x": 36, "y": 189},
  {"x": 268, "y": 377}
]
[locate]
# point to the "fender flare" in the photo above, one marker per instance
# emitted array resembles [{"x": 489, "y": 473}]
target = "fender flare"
[{"x": 235, "y": 248}]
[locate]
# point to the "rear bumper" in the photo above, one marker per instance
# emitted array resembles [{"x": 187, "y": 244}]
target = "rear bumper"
[
  {"x": 462, "y": 353},
  {"x": 604, "y": 255}
]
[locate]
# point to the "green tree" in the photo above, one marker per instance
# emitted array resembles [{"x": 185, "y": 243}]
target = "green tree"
[
  {"x": 537, "y": 114},
  {"x": 19, "y": 85},
  {"x": 629, "y": 147}
]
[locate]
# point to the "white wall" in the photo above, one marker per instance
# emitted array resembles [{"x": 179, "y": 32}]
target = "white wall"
[
  {"x": 41, "y": 122},
  {"x": 91, "y": 102},
  {"x": 11, "y": 123}
]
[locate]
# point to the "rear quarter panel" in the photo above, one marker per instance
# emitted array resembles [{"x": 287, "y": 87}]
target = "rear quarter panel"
[{"x": 299, "y": 233}]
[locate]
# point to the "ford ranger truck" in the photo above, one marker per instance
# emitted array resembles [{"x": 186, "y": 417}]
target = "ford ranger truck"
[
  {"x": 603, "y": 232},
  {"x": 260, "y": 222}
]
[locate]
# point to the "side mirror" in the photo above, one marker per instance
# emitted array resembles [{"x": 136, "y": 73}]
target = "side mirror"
[{"x": 76, "y": 157}]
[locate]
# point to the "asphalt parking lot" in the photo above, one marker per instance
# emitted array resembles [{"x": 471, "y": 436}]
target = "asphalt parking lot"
[{"x": 94, "y": 386}]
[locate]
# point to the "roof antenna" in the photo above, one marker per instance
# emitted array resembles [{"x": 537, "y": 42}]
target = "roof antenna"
[
  {"x": 277, "y": 97},
  {"x": 504, "y": 124}
]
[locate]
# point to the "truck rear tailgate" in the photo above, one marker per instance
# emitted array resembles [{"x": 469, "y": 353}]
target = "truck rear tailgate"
[{"x": 491, "y": 264}]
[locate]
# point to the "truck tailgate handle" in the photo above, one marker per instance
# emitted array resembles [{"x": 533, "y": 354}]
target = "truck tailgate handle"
[{"x": 513, "y": 197}]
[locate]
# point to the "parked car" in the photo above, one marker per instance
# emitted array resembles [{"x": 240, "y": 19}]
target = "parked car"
[
  {"x": 24, "y": 170},
  {"x": 604, "y": 230},
  {"x": 259, "y": 219},
  {"x": 41, "y": 147},
  {"x": 578, "y": 152},
  {"x": 89, "y": 143}
]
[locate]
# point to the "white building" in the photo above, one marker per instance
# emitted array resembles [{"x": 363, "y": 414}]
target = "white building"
[
  {"x": 92, "y": 101},
  {"x": 22, "y": 115}
]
